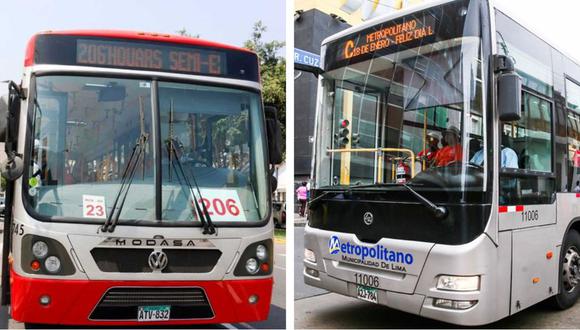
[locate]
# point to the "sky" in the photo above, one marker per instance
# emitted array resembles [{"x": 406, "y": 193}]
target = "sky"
[{"x": 225, "y": 21}]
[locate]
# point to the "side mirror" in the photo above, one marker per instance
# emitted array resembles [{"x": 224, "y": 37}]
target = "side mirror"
[
  {"x": 509, "y": 90},
  {"x": 12, "y": 167},
  {"x": 274, "y": 135},
  {"x": 273, "y": 183},
  {"x": 3, "y": 117}
]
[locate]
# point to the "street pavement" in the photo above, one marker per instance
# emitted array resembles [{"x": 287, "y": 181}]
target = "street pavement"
[
  {"x": 316, "y": 308},
  {"x": 276, "y": 318}
]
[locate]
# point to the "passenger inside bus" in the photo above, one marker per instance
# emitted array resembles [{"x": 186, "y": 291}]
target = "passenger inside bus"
[
  {"x": 509, "y": 158},
  {"x": 452, "y": 151},
  {"x": 432, "y": 141}
]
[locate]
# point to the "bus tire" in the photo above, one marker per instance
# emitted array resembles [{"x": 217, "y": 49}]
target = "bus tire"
[{"x": 569, "y": 272}]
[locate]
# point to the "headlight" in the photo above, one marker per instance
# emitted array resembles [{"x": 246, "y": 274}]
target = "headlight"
[
  {"x": 52, "y": 264},
  {"x": 252, "y": 266},
  {"x": 454, "y": 304},
  {"x": 309, "y": 255},
  {"x": 458, "y": 283},
  {"x": 40, "y": 249},
  {"x": 261, "y": 252}
]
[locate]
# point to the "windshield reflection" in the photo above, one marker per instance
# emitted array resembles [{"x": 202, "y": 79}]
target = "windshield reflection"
[{"x": 84, "y": 130}]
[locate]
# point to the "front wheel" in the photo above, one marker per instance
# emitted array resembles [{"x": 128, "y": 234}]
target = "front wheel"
[{"x": 569, "y": 272}]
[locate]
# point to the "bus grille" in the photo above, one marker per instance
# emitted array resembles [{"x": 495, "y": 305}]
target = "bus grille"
[
  {"x": 127, "y": 260},
  {"x": 123, "y": 303}
]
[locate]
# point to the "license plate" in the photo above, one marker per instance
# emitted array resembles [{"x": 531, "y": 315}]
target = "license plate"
[
  {"x": 367, "y": 294},
  {"x": 153, "y": 313}
]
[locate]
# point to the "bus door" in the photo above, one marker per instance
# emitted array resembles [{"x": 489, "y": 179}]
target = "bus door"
[{"x": 527, "y": 202}]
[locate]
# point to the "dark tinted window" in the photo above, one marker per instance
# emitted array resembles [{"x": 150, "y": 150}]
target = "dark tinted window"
[{"x": 530, "y": 141}]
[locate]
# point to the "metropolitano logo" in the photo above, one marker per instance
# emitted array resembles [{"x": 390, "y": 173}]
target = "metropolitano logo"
[
  {"x": 379, "y": 252},
  {"x": 334, "y": 245}
]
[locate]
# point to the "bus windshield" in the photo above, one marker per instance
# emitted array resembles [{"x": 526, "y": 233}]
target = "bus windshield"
[
  {"x": 86, "y": 128},
  {"x": 402, "y": 102}
]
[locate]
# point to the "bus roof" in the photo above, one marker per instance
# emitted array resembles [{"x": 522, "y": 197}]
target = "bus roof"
[
  {"x": 494, "y": 4},
  {"x": 130, "y": 35}
]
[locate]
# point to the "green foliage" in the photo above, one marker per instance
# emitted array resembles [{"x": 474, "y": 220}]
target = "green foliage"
[
  {"x": 273, "y": 73},
  {"x": 183, "y": 32}
]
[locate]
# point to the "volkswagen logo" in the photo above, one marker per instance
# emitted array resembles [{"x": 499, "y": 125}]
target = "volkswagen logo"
[
  {"x": 368, "y": 218},
  {"x": 158, "y": 260}
]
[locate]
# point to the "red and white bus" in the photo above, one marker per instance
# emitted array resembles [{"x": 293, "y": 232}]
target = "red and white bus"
[{"x": 138, "y": 182}]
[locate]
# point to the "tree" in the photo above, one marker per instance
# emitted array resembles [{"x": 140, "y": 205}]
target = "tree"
[
  {"x": 273, "y": 73},
  {"x": 183, "y": 32}
]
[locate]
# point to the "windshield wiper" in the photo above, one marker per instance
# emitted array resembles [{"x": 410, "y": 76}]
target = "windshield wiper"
[
  {"x": 438, "y": 211},
  {"x": 126, "y": 180},
  {"x": 204, "y": 217},
  {"x": 314, "y": 203},
  {"x": 348, "y": 189}
]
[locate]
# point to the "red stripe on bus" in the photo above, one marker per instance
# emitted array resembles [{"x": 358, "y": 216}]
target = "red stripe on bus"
[
  {"x": 519, "y": 208},
  {"x": 503, "y": 209},
  {"x": 577, "y": 195},
  {"x": 29, "y": 56}
]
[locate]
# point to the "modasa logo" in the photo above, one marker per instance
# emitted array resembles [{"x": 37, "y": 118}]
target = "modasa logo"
[{"x": 376, "y": 252}]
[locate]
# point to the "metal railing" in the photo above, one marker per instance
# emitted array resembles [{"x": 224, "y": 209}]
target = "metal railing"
[{"x": 381, "y": 156}]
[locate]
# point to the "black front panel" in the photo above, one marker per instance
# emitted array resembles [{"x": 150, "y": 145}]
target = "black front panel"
[
  {"x": 191, "y": 261},
  {"x": 407, "y": 220},
  {"x": 123, "y": 303},
  {"x": 146, "y": 55},
  {"x": 125, "y": 260},
  {"x": 122, "y": 260}
]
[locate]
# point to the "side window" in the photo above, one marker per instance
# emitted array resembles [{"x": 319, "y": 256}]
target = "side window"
[
  {"x": 531, "y": 55},
  {"x": 526, "y": 155},
  {"x": 572, "y": 95},
  {"x": 573, "y": 124}
]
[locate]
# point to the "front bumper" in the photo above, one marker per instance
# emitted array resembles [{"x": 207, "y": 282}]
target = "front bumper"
[{"x": 72, "y": 301}]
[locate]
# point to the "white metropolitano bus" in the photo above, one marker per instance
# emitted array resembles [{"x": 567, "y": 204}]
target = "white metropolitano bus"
[{"x": 447, "y": 165}]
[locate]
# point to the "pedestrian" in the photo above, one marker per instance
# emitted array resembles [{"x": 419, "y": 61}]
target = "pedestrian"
[{"x": 302, "y": 195}]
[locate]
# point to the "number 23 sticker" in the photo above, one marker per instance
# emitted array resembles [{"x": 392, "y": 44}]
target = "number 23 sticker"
[{"x": 94, "y": 207}]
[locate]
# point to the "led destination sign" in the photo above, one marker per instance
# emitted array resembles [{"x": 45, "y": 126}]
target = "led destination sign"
[
  {"x": 155, "y": 57},
  {"x": 388, "y": 36},
  {"x": 196, "y": 58}
]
